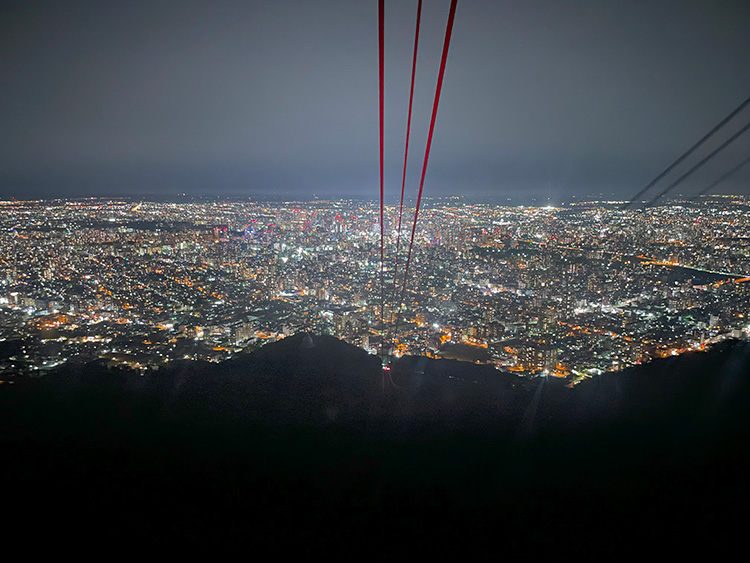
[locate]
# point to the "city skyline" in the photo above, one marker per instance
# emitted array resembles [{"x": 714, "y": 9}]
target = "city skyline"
[{"x": 568, "y": 291}]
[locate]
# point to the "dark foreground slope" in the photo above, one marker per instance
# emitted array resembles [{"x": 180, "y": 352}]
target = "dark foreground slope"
[{"x": 306, "y": 446}]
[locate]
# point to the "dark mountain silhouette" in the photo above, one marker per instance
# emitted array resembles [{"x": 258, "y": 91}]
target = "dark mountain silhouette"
[{"x": 308, "y": 445}]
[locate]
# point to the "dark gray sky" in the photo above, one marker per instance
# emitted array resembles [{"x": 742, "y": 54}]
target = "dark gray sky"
[{"x": 280, "y": 96}]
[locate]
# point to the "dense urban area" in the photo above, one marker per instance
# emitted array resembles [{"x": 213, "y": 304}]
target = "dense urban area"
[{"x": 566, "y": 291}]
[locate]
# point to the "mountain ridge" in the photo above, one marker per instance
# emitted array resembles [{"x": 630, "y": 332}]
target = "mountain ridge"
[{"x": 294, "y": 431}]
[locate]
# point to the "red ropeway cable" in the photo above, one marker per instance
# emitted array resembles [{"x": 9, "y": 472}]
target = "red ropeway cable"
[
  {"x": 381, "y": 50},
  {"x": 408, "y": 129},
  {"x": 446, "y": 44}
]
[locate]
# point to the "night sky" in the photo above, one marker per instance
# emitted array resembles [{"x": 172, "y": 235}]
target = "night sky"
[{"x": 279, "y": 98}]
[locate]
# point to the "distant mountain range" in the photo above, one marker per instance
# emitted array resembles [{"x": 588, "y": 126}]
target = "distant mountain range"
[{"x": 308, "y": 445}]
